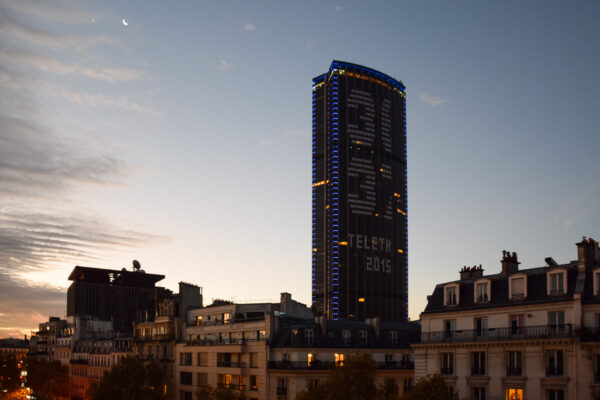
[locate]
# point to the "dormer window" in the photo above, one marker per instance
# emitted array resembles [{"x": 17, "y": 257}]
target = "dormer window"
[
  {"x": 451, "y": 295},
  {"x": 517, "y": 287},
  {"x": 394, "y": 337},
  {"x": 482, "y": 291},
  {"x": 346, "y": 336},
  {"x": 557, "y": 282},
  {"x": 309, "y": 335},
  {"x": 364, "y": 337}
]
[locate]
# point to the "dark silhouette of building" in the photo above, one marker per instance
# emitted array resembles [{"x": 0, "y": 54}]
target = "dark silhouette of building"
[
  {"x": 117, "y": 295},
  {"x": 359, "y": 207}
]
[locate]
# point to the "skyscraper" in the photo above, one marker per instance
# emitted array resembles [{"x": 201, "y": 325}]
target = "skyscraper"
[{"x": 359, "y": 207}]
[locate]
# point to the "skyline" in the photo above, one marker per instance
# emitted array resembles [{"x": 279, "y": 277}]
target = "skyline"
[{"x": 119, "y": 122}]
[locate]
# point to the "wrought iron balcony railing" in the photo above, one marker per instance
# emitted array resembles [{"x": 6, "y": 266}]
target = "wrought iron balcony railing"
[{"x": 499, "y": 334}]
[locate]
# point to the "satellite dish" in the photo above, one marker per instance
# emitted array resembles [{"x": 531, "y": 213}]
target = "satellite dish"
[{"x": 136, "y": 265}]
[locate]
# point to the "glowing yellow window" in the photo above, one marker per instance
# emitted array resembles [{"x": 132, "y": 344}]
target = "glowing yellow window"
[
  {"x": 514, "y": 394},
  {"x": 310, "y": 358},
  {"x": 339, "y": 359}
]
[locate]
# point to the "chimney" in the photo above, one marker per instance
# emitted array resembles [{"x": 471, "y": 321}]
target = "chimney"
[
  {"x": 322, "y": 321},
  {"x": 510, "y": 263},
  {"x": 588, "y": 253},
  {"x": 473, "y": 272}
]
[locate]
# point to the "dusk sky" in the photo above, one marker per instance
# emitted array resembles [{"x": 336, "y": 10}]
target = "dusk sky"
[{"x": 179, "y": 134}]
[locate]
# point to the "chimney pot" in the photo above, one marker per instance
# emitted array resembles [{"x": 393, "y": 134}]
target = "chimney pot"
[{"x": 510, "y": 262}]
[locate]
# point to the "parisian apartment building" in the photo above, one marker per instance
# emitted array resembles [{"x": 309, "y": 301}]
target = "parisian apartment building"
[{"x": 518, "y": 333}]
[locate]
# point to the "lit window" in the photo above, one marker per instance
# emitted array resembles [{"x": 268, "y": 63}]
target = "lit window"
[
  {"x": 339, "y": 359},
  {"x": 514, "y": 394},
  {"x": 309, "y": 359}
]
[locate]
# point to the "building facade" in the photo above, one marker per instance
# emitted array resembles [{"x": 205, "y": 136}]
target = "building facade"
[
  {"x": 117, "y": 295},
  {"x": 156, "y": 335},
  {"x": 359, "y": 196},
  {"x": 276, "y": 350},
  {"x": 303, "y": 351},
  {"x": 519, "y": 334}
]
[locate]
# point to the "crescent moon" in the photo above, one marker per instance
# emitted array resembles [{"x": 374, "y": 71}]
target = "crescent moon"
[{"x": 125, "y": 22}]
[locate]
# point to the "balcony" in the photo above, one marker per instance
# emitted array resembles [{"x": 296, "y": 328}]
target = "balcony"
[
  {"x": 499, "y": 334},
  {"x": 314, "y": 365},
  {"x": 78, "y": 361},
  {"x": 389, "y": 365},
  {"x": 514, "y": 371},
  {"x": 220, "y": 342},
  {"x": 232, "y": 386},
  {"x": 231, "y": 364},
  {"x": 230, "y": 321}
]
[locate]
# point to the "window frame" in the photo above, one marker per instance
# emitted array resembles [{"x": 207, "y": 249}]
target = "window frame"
[
  {"x": 549, "y": 280},
  {"x": 487, "y": 296},
  {"x": 456, "y": 288},
  {"x": 510, "y": 286}
]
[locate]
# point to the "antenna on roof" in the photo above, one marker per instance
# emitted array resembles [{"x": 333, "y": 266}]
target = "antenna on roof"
[{"x": 136, "y": 265}]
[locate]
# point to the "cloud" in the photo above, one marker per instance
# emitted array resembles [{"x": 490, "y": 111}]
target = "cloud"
[
  {"x": 27, "y": 304},
  {"x": 38, "y": 37},
  {"x": 34, "y": 161},
  {"x": 266, "y": 142},
  {"x": 31, "y": 240},
  {"x": 431, "y": 100},
  {"x": 310, "y": 44},
  {"x": 42, "y": 169},
  {"x": 338, "y": 8},
  {"x": 23, "y": 57},
  {"x": 249, "y": 27},
  {"x": 225, "y": 65},
  {"x": 119, "y": 101},
  {"x": 52, "y": 12}
]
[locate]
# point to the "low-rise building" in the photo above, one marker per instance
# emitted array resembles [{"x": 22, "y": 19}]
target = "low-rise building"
[
  {"x": 160, "y": 329},
  {"x": 303, "y": 351}
]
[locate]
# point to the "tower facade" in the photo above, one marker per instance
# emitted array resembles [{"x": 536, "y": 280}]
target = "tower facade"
[{"x": 359, "y": 203}]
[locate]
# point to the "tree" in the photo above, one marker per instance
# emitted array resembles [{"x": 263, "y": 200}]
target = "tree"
[
  {"x": 354, "y": 380},
  {"x": 48, "y": 379},
  {"x": 10, "y": 374},
  {"x": 219, "y": 393},
  {"x": 130, "y": 379},
  {"x": 388, "y": 390},
  {"x": 433, "y": 387}
]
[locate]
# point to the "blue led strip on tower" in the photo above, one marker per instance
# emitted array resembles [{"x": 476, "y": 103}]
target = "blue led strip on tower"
[{"x": 335, "y": 195}]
